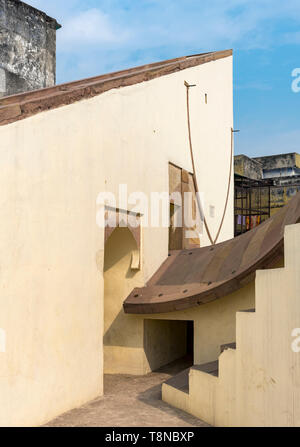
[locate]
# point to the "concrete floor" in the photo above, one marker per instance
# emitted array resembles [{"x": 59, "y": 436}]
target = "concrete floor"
[{"x": 131, "y": 401}]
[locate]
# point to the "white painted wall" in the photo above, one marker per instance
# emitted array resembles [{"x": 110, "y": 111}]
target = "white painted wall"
[{"x": 52, "y": 167}]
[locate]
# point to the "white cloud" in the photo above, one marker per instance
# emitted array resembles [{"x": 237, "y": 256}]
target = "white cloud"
[
  {"x": 103, "y": 35},
  {"x": 92, "y": 28},
  {"x": 55, "y": 8},
  {"x": 211, "y": 23},
  {"x": 195, "y": 24}
]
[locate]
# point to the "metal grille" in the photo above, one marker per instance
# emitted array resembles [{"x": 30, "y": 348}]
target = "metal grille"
[{"x": 251, "y": 203}]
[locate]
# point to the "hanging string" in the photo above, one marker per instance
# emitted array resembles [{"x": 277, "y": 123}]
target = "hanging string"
[{"x": 201, "y": 211}]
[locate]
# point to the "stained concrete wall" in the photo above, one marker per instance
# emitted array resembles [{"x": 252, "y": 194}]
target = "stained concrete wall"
[
  {"x": 279, "y": 161},
  {"x": 247, "y": 167},
  {"x": 27, "y": 48},
  {"x": 281, "y": 195},
  {"x": 53, "y": 166}
]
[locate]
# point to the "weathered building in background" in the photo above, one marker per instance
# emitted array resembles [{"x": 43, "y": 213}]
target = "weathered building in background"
[
  {"x": 263, "y": 185},
  {"x": 27, "y": 48},
  {"x": 283, "y": 169},
  {"x": 247, "y": 167}
]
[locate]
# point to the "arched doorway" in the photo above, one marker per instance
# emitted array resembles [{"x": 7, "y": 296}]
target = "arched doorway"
[{"x": 123, "y": 334}]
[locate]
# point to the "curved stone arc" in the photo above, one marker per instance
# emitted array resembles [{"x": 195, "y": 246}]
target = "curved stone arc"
[{"x": 189, "y": 278}]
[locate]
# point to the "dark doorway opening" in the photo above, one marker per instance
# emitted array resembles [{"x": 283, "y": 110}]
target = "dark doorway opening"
[
  {"x": 190, "y": 340},
  {"x": 168, "y": 341}
]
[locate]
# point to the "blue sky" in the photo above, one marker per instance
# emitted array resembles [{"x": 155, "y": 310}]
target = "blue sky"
[{"x": 100, "y": 36}]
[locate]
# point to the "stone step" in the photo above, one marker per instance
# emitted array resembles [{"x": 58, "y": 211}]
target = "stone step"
[
  {"x": 228, "y": 346},
  {"x": 209, "y": 368},
  {"x": 181, "y": 381},
  {"x": 233, "y": 344}
]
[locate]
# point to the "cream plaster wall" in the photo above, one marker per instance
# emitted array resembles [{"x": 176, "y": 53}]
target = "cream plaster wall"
[
  {"x": 51, "y": 259},
  {"x": 53, "y": 165}
]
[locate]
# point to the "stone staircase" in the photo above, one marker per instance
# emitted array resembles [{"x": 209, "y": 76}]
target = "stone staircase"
[
  {"x": 255, "y": 383},
  {"x": 180, "y": 382}
]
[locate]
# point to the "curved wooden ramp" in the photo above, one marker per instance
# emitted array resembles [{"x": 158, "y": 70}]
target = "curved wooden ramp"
[{"x": 189, "y": 278}]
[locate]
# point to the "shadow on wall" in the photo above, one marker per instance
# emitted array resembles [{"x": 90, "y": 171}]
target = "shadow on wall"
[
  {"x": 119, "y": 280},
  {"x": 119, "y": 246},
  {"x": 117, "y": 333}
]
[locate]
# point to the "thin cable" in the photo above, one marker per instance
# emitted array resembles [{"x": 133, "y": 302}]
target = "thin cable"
[
  {"x": 228, "y": 189},
  {"x": 213, "y": 242},
  {"x": 201, "y": 211}
]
